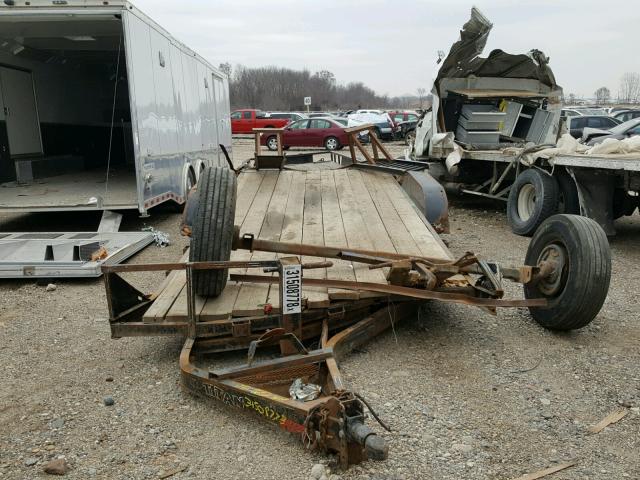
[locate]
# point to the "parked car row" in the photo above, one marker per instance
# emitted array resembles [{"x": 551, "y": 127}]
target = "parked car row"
[
  {"x": 323, "y": 129},
  {"x": 578, "y": 118},
  {"x": 593, "y": 136}
]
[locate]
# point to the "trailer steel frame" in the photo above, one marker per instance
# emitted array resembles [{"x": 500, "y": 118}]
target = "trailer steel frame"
[{"x": 335, "y": 421}]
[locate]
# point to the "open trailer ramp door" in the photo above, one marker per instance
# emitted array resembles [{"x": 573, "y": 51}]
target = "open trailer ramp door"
[{"x": 66, "y": 254}]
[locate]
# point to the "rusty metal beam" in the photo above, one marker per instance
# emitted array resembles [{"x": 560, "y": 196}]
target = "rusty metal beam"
[{"x": 401, "y": 291}]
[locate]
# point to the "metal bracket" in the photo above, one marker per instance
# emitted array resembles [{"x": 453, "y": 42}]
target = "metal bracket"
[{"x": 272, "y": 337}]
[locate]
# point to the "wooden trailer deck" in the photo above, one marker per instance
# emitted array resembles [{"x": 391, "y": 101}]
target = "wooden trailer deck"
[{"x": 332, "y": 207}]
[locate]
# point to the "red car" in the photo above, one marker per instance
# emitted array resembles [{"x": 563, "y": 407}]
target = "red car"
[
  {"x": 315, "y": 132},
  {"x": 244, "y": 121}
]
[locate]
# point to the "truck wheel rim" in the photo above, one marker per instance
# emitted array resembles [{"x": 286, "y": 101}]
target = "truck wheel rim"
[
  {"x": 556, "y": 255},
  {"x": 273, "y": 144},
  {"x": 332, "y": 144},
  {"x": 526, "y": 201}
]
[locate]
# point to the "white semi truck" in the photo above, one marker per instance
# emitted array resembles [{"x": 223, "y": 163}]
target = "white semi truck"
[{"x": 100, "y": 109}]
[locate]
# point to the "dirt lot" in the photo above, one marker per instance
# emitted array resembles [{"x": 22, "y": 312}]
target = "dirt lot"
[{"x": 468, "y": 395}]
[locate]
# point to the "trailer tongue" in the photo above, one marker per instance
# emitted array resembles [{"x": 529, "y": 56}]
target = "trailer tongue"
[{"x": 332, "y": 295}]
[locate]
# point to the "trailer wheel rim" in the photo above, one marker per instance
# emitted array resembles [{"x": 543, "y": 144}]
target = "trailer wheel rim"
[
  {"x": 272, "y": 143},
  {"x": 526, "y": 201},
  {"x": 553, "y": 284}
]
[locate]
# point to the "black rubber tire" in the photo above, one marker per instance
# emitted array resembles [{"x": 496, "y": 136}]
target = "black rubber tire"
[
  {"x": 212, "y": 229},
  {"x": 585, "y": 277},
  {"x": 568, "y": 200},
  {"x": 272, "y": 137},
  {"x": 545, "y": 201},
  {"x": 326, "y": 144}
]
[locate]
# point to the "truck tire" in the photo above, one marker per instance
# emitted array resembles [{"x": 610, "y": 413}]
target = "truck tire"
[
  {"x": 212, "y": 230},
  {"x": 568, "y": 199},
  {"x": 578, "y": 288},
  {"x": 533, "y": 198}
]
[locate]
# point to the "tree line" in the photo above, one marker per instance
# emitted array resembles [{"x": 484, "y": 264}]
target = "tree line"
[
  {"x": 277, "y": 88},
  {"x": 628, "y": 91}
]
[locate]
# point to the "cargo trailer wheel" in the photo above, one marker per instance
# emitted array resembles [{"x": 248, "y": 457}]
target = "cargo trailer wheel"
[
  {"x": 575, "y": 269},
  {"x": 533, "y": 198},
  {"x": 212, "y": 230},
  {"x": 331, "y": 143},
  {"x": 272, "y": 143}
]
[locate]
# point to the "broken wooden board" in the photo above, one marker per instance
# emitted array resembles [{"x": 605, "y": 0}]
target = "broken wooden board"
[
  {"x": 613, "y": 417},
  {"x": 546, "y": 471}
]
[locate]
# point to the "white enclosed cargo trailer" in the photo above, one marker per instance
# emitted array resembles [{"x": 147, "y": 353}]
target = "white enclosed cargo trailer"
[{"x": 102, "y": 109}]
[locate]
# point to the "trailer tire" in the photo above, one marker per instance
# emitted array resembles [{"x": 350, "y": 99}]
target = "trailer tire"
[
  {"x": 578, "y": 288},
  {"x": 213, "y": 228},
  {"x": 568, "y": 199},
  {"x": 533, "y": 198}
]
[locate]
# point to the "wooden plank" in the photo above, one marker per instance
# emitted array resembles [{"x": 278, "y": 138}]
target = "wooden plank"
[
  {"x": 179, "y": 309},
  {"x": 355, "y": 228},
  {"x": 334, "y": 235},
  {"x": 172, "y": 286},
  {"x": 248, "y": 185},
  {"x": 293, "y": 232},
  {"x": 254, "y": 212},
  {"x": 366, "y": 206},
  {"x": 423, "y": 236},
  {"x": 313, "y": 233},
  {"x": 252, "y": 297},
  {"x": 395, "y": 227}
]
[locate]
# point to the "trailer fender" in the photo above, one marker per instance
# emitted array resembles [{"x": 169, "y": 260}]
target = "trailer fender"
[
  {"x": 199, "y": 167},
  {"x": 189, "y": 179},
  {"x": 430, "y": 198},
  {"x": 595, "y": 190}
]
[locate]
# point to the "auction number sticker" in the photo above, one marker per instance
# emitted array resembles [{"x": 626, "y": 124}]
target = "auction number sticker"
[{"x": 291, "y": 289}]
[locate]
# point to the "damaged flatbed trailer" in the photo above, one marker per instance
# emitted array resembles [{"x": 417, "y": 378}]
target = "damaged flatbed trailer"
[
  {"x": 317, "y": 261},
  {"x": 492, "y": 132},
  {"x": 101, "y": 109}
]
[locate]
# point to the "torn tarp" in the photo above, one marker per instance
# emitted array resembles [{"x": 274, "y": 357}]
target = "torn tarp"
[{"x": 464, "y": 60}]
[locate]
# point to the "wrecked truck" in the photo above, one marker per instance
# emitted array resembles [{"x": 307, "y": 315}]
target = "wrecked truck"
[{"x": 495, "y": 131}]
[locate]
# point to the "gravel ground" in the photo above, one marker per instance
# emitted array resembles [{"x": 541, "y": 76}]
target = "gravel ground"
[{"x": 468, "y": 395}]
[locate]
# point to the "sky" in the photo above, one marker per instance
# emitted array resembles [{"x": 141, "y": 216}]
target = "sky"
[{"x": 392, "y": 46}]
